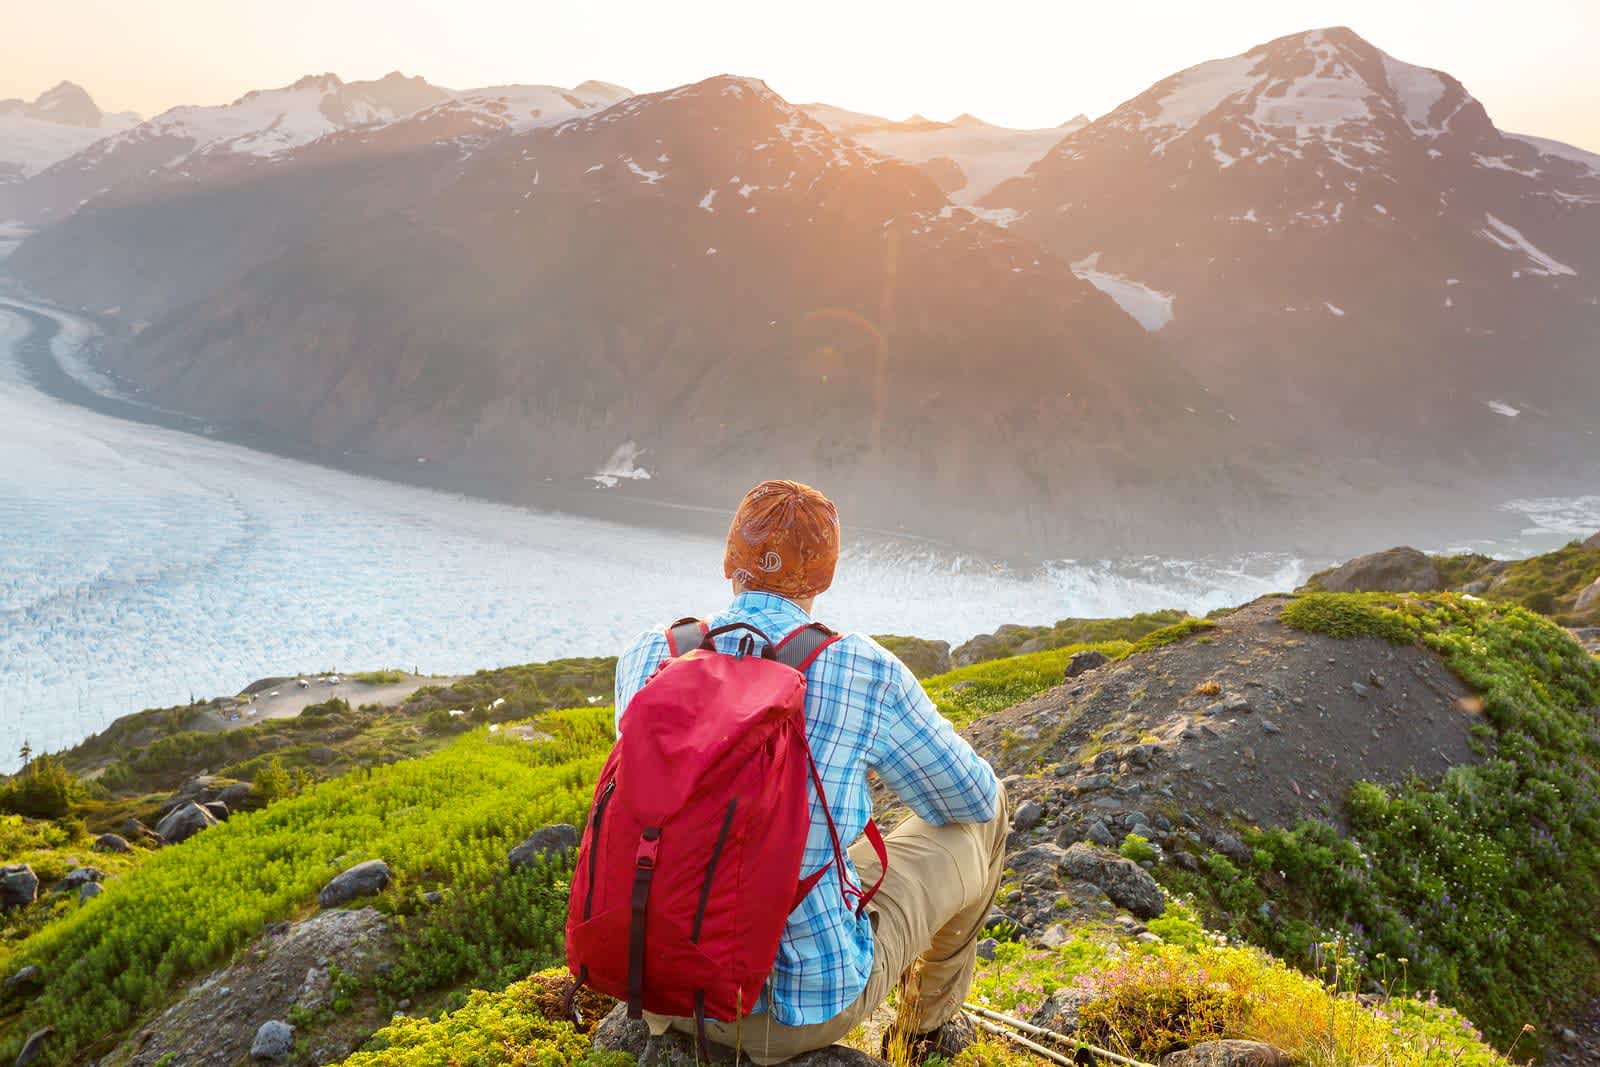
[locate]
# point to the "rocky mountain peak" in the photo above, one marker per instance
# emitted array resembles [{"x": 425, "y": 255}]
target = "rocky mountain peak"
[{"x": 67, "y": 103}]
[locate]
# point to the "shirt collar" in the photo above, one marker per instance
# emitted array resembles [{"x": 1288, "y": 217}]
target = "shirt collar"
[{"x": 751, "y": 602}]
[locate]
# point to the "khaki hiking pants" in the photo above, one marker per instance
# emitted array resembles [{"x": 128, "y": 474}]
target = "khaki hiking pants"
[{"x": 940, "y": 886}]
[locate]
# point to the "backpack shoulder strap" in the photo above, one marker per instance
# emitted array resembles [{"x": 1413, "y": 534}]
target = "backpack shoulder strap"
[
  {"x": 802, "y": 647},
  {"x": 684, "y": 636}
]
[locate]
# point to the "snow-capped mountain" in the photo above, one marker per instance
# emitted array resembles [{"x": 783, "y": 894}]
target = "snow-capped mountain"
[
  {"x": 966, "y": 156},
  {"x": 1345, "y": 248},
  {"x": 713, "y": 276},
  {"x": 60, "y": 122},
  {"x": 262, "y": 124}
]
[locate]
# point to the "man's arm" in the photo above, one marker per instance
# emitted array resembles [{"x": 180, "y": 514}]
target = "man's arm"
[
  {"x": 922, "y": 759},
  {"x": 634, "y": 668}
]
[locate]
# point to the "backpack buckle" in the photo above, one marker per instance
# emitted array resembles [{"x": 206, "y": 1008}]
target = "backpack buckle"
[{"x": 649, "y": 841}]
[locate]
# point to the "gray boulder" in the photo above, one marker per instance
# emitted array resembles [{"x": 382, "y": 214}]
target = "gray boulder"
[
  {"x": 1395, "y": 570},
  {"x": 1230, "y": 846},
  {"x": 1046, "y": 857},
  {"x": 1060, "y": 1011},
  {"x": 111, "y": 843},
  {"x": 1228, "y": 1054},
  {"x": 219, "y": 811},
  {"x": 1027, "y": 815},
  {"x": 19, "y": 886},
  {"x": 33, "y": 1048},
  {"x": 88, "y": 891},
  {"x": 547, "y": 842},
  {"x": 80, "y": 876},
  {"x": 1124, "y": 881},
  {"x": 618, "y": 1033},
  {"x": 274, "y": 1039},
  {"x": 184, "y": 821},
  {"x": 1087, "y": 660},
  {"x": 363, "y": 880}
]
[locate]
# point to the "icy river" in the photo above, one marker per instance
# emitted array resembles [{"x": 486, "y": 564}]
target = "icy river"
[{"x": 142, "y": 566}]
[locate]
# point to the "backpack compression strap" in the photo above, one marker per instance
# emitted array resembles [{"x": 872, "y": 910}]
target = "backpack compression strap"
[{"x": 800, "y": 650}]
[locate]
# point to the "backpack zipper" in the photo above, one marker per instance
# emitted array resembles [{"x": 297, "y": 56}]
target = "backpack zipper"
[{"x": 594, "y": 842}]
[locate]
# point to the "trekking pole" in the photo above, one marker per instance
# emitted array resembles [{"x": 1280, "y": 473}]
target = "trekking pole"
[{"x": 983, "y": 1022}]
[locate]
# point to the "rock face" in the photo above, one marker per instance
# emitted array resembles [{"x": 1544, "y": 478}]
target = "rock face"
[
  {"x": 1228, "y": 1054},
  {"x": 362, "y": 880},
  {"x": 183, "y": 822},
  {"x": 273, "y": 1040},
  {"x": 216, "y": 1021},
  {"x": 1123, "y": 880},
  {"x": 1087, "y": 660},
  {"x": 19, "y": 886},
  {"x": 1395, "y": 570},
  {"x": 618, "y": 1033},
  {"x": 544, "y": 843},
  {"x": 112, "y": 843}
]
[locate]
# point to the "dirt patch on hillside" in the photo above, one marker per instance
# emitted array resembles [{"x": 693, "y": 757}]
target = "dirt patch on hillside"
[{"x": 1251, "y": 719}]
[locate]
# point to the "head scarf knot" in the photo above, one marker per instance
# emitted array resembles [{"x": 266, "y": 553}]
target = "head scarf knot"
[{"x": 784, "y": 539}]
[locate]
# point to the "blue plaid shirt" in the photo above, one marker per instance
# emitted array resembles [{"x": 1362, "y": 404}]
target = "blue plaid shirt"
[{"x": 864, "y": 710}]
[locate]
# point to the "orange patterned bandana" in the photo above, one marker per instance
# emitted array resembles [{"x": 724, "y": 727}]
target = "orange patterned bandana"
[{"x": 784, "y": 539}]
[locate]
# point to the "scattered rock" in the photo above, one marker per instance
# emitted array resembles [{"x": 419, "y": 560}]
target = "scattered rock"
[
  {"x": 545, "y": 842},
  {"x": 986, "y": 948},
  {"x": 1360, "y": 690},
  {"x": 1088, "y": 783},
  {"x": 1228, "y": 1054},
  {"x": 1236, "y": 704},
  {"x": 88, "y": 891},
  {"x": 1271, "y": 727},
  {"x": 1100, "y": 834},
  {"x": 1230, "y": 846},
  {"x": 1054, "y": 936},
  {"x": 1060, "y": 1010},
  {"x": 1086, "y": 660},
  {"x": 273, "y": 1040},
  {"x": 219, "y": 810},
  {"x": 1046, "y": 857},
  {"x": 1395, "y": 570},
  {"x": 184, "y": 821},
  {"x": 19, "y": 886},
  {"x": 618, "y": 1033},
  {"x": 362, "y": 880},
  {"x": 1027, "y": 815},
  {"x": 33, "y": 1048},
  {"x": 79, "y": 876},
  {"x": 26, "y": 978},
  {"x": 1123, "y": 880},
  {"x": 111, "y": 843},
  {"x": 133, "y": 829}
]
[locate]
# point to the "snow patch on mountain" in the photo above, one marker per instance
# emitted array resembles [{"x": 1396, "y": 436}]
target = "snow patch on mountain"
[
  {"x": 1559, "y": 149},
  {"x": 622, "y": 466},
  {"x": 1149, "y": 307},
  {"x": 1511, "y": 239},
  {"x": 1500, "y": 407},
  {"x": 1419, "y": 91}
]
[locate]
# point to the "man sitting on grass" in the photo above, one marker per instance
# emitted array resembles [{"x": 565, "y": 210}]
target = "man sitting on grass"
[{"x": 865, "y": 711}]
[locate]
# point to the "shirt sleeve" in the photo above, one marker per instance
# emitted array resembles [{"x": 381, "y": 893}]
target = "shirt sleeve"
[
  {"x": 921, "y": 758},
  {"x": 634, "y": 668}
]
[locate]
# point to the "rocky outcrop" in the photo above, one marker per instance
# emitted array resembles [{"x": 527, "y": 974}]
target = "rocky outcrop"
[
  {"x": 545, "y": 843},
  {"x": 1588, "y": 601},
  {"x": 1061, "y": 1009},
  {"x": 1123, "y": 880},
  {"x": 1228, "y": 1054},
  {"x": 217, "y": 1020},
  {"x": 184, "y": 821},
  {"x": 925, "y": 658},
  {"x": 1395, "y": 570},
  {"x": 1593, "y": 542},
  {"x": 618, "y": 1033},
  {"x": 363, "y": 880},
  {"x": 79, "y": 877},
  {"x": 19, "y": 886}
]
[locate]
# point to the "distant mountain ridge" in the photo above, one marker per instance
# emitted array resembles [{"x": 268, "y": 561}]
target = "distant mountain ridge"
[{"x": 58, "y": 123}]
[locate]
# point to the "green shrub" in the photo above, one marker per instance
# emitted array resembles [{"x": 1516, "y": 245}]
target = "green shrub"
[
  {"x": 42, "y": 790},
  {"x": 1137, "y": 848}
]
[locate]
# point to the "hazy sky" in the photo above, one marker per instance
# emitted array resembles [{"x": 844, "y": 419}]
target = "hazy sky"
[{"x": 1015, "y": 62}]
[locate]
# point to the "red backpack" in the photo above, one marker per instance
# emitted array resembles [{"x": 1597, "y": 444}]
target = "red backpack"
[{"x": 690, "y": 862}]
